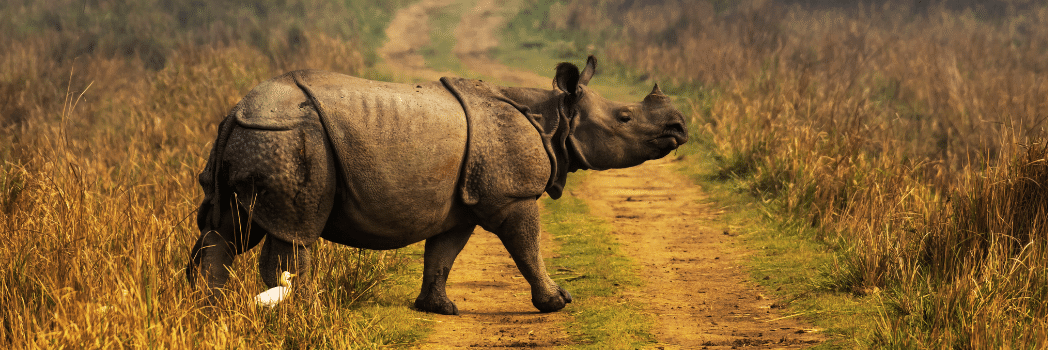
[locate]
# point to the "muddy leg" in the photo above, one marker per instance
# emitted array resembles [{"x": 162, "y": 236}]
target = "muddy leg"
[
  {"x": 520, "y": 234},
  {"x": 441, "y": 251}
]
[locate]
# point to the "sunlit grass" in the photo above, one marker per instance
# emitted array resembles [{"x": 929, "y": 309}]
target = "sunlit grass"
[
  {"x": 98, "y": 198},
  {"x": 907, "y": 141}
]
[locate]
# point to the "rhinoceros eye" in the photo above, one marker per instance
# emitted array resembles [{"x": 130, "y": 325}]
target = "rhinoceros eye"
[{"x": 625, "y": 116}]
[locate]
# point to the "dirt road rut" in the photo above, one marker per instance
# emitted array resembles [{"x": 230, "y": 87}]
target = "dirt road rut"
[{"x": 695, "y": 288}]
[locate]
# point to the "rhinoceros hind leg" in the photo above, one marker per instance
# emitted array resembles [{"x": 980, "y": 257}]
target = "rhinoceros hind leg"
[
  {"x": 441, "y": 251},
  {"x": 519, "y": 232}
]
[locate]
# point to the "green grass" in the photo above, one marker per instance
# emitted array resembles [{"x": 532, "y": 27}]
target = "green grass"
[
  {"x": 442, "y": 22},
  {"x": 372, "y": 18},
  {"x": 591, "y": 266},
  {"x": 525, "y": 44}
]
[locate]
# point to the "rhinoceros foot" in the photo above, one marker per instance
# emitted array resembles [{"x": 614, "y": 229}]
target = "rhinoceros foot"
[
  {"x": 436, "y": 305},
  {"x": 552, "y": 302}
]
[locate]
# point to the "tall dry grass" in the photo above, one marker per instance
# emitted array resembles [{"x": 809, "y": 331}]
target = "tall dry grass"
[
  {"x": 100, "y": 151},
  {"x": 910, "y": 136}
]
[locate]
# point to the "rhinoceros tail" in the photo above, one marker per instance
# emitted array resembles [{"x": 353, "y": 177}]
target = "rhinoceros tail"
[{"x": 210, "y": 211}]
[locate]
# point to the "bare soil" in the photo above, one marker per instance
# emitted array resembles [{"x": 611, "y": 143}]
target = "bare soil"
[
  {"x": 695, "y": 287},
  {"x": 495, "y": 303}
]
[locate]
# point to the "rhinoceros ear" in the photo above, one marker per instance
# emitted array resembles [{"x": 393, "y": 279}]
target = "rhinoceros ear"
[
  {"x": 567, "y": 78},
  {"x": 587, "y": 73}
]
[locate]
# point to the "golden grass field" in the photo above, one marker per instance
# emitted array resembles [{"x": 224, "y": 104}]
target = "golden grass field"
[
  {"x": 909, "y": 138},
  {"x": 105, "y": 124}
]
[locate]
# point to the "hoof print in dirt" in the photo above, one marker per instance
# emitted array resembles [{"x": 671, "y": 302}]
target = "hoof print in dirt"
[{"x": 309, "y": 155}]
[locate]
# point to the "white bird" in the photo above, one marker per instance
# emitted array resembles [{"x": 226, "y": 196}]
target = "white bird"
[{"x": 275, "y": 295}]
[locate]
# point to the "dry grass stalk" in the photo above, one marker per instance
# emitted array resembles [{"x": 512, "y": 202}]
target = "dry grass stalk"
[{"x": 97, "y": 198}]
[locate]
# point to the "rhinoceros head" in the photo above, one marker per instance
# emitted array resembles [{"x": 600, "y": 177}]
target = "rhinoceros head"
[{"x": 609, "y": 134}]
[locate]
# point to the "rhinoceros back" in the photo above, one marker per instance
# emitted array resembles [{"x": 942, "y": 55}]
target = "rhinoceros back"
[{"x": 399, "y": 147}]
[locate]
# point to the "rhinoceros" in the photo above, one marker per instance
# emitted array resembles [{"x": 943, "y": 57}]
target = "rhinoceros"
[{"x": 376, "y": 165}]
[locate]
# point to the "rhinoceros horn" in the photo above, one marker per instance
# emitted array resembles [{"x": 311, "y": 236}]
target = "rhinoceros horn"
[
  {"x": 656, "y": 90},
  {"x": 656, "y": 96}
]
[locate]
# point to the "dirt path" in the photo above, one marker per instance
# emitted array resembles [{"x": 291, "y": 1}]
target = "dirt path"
[
  {"x": 478, "y": 32},
  {"x": 495, "y": 303},
  {"x": 695, "y": 288},
  {"x": 407, "y": 33}
]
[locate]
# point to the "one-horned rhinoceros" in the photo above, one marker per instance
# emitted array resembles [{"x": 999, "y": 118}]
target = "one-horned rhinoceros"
[{"x": 377, "y": 165}]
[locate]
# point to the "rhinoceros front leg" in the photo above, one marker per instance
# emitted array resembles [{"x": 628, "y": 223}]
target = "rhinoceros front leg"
[
  {"x": 215, "y": 250},
  {"x": 441, "y": 251},
  {"x": 278, "y": 256},
  {"x": 519, "y": 232}
]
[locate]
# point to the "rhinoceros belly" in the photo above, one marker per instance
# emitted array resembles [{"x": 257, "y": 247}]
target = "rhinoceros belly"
[{"x": 399, "y": 150}]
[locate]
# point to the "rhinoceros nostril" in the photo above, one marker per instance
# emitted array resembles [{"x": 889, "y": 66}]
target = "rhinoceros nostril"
[{"x": 676, "y": 128}]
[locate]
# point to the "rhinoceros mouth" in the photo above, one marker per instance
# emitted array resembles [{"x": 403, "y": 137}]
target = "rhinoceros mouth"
[
  {"x": 671, "y": 141},
  {"x": 665, "y": 144}
]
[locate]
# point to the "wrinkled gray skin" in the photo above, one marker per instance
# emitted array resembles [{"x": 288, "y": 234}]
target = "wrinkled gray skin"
[{"x": 378, "y": 165}]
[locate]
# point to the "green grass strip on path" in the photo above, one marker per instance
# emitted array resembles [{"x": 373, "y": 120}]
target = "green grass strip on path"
[{"x": 589, "y": 264}]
